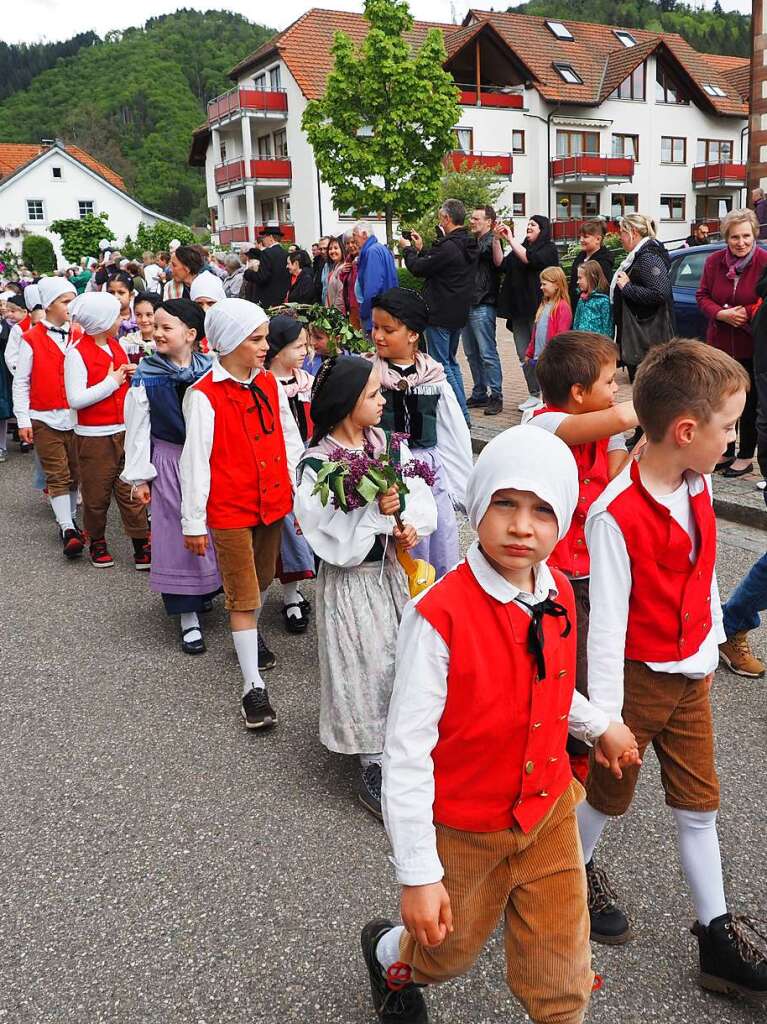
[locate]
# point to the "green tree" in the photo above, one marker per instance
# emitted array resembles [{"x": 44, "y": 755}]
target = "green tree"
[
  {"x": 81, "y": 236},
  {"x": 475, "y": 187},
  {"x": 157, "y": 238},
  {"x": 386, "y": 120},
  {"x": 38, "y": 254}
]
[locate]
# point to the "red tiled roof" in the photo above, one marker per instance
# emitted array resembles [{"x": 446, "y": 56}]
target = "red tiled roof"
[
  {"x": 737, "y": 71},
  {"x": 14, "y": 155}
]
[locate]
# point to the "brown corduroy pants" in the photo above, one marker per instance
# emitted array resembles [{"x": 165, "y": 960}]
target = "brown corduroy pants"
[
  {"x": 101, "y": 462},
  {"x": 537, "y": 882},
  {"x": 57, "y": 452}
]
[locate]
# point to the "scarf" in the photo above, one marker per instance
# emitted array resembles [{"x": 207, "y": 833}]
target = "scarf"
[
  {"x": 158, "y": 366},
  {"x": 427, "y": 371},
  {"x": 299, "y": 384},
  {"x": 737, "y": 264},
  {"x": 626, "y": 265}
]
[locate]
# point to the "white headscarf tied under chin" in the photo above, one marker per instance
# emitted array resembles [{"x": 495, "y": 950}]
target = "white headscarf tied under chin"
[
  {"x": 96, "y": 312},
  {"x": 230, "y": 322}
]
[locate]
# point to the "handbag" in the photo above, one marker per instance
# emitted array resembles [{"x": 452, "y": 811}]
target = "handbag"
[{"x": 639, "y": 336}]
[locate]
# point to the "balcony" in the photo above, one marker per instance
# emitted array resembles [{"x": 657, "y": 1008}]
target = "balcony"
[
  {"x": 590, "y": 167},
  {"x": 269, "y": 171},
  {"x": 501, "y": 163},
  {"x": 242, "y": 233},
  {"x": 240, "y": 102},
  {"x": 569, "y": 230},
  {"x": 718, "y": 175},
  {"x": 490, "y": 96}
]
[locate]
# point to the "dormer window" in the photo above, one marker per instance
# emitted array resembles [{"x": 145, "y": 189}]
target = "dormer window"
[
  {"x": 568, "y": 73},
  {"x": 559, "y": 30},
  {"x": 625, "y": 37},
  {"x": 714, "y": 90}
]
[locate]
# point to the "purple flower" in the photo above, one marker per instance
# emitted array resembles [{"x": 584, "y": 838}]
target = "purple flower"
[{"x": 419, "y": 468}]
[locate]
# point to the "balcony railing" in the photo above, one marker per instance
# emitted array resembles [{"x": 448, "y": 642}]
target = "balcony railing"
[
  {"x": 569, "y": 230},
  {"x": 723, "y": 174},
  {"x": 242, "y": 233},
  {"x": 591, "y": 167},
  {"x": 501, "y": 163},
  {"x": 268, "y": 102},
  {"x": 490, "y": 96},
  {"x": 267, "y": 170}
]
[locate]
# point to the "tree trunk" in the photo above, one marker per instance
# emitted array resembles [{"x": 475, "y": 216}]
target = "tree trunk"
[{"x": 389, "y": 226}]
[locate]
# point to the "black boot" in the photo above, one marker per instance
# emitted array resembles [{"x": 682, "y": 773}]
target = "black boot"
[
  {"x": 397, "y": 1002},
  {"x": 609, "y": 925},
  {"x": 731, "y": 961}
]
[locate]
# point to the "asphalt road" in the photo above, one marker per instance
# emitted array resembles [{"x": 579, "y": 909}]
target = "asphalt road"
[{"x": 159, "y": 865}]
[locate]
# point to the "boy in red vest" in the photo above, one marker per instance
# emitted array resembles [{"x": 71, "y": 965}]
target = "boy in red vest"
[
  {"x": 97, "y": 374},
  {"x": 478, "y": 797},
  {"x": 238, "y": 469},
  {"x": 41, "y": 407},
  {"x": 656, "y": 624}
]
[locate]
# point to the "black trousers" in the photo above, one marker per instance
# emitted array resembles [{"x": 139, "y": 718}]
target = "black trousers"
[{"x": 747, "y": 427}]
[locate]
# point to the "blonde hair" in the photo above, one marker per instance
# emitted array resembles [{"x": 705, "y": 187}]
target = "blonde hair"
[
  {"x": 637, "y": 222},
  {"x": 556, "y": 276},
  {"x": 738, "y": 217}
]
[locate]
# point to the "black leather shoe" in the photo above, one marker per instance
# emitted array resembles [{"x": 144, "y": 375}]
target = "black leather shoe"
[
  {"x": 731, "y": 473},
  {"x": 494, "y": 406},
  {"x": 295, "y": 623},
  {"x": 477, "y": 403},
  {"x": 196, "y": 646}
]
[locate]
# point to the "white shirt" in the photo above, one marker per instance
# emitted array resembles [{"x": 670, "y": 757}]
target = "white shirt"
[
  {"x": 152, "y": 274},
  {"x": 12, "y": 347},
  {"x": 194, "y": 465},
  {"x": 56, "y": 419},
  {"x": 138, "y": 468},
  {"x": 417, "y": 703},
  {"x": 80, "y": 396},
  {"x": 610, "y": 589}
]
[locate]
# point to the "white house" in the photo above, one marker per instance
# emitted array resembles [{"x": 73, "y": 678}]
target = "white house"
[
  {"x": 578, "y": 119},
  {"x": 52, "y": 181}
]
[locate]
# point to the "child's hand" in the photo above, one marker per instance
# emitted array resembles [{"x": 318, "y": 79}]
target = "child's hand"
[
  {"x": 389, "y": 503},
  {"x": 197, "y": 545},
  {"x": 426, "y": 913},
  {"x": 117, "y": 373},
  {"x": 616, "y": 746},
  {"x": 142, "y": 493},
  {"x": 407, "y": 537},
  {"x": 26, "y": 435}
]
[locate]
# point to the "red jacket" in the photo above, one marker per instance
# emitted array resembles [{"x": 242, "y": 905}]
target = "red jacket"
[
  {"x": 500, "y": 758},
  {"x": 716, "y": 291},
  {"x": 561, "y": 319}
]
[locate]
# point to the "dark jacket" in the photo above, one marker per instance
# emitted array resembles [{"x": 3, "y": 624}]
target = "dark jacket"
[
  {"x": 603, "y": 257},
  {"x": 649, "y": 285},
  {"x": 268, "y": 285},
  {"x": 302, "y": 289},
  {"x": 760, "y": 209},
  {"x": 449, "y": 268},
  {"x": 318, "y": 263},
  {"x": 487, "y": 279},
  {"x": 521, "y": 289},
  {"x": 716, "y": 291}
]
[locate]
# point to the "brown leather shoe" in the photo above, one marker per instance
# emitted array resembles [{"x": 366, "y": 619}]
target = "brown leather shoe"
[{"x": 736, "y": 653}]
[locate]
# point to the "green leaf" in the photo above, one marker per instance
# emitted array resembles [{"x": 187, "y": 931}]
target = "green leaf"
[{"x": 367, "y": 490}]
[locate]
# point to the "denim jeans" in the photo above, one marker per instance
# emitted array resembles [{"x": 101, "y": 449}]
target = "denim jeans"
[
  {"x": 482, "y": 352},
  {"x": 522, "y": 329},
  {"x": 442, "y": 345},
  {"x": 741, "y": 612}
]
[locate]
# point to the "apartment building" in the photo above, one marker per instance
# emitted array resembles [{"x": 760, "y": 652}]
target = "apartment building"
[{"x": 578, "y": 120}]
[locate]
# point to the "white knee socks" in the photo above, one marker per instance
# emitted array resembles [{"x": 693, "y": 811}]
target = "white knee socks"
[
  {"x": 73, "y": 504},
  {"x": 701, "y": 861},
  {"x": 189, "y": 620},
  {"x": 591, "y": 824},
  {"x": 62, "y": 512},
  {"x": 291, "y": 595},
  {"x": 387, "y": 950},
  {"x": 246, "y": 646}
]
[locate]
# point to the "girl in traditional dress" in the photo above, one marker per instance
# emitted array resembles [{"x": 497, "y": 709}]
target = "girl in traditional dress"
[
  {"x": 421, "y": 403},
  {"x": 121, "y": 286},
  {"x": 361, "y": 587},
  {"x": 287, "y": 351},
  {"x": 155, "y": 434}
]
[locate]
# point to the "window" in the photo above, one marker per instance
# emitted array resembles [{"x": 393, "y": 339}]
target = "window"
[
  {"x": 624, "y": 37},
  {"x": 281, "y": 143},
  {"x": 35, "y": 209},
  {"x": 623, "y": 203},
  {"x": 568, "y": 73},
  {"x": 714, "y": 151},
  {"x": 275, "y": 82},
  {"x": 265, "y": 147},
  {"x": 633, "y": 87},
  {"x": 465, "y": 139},
  {"x": 673, "y": 150},
  {"x": 517, "y": 142},
  {"x": 283, "y": 209},
  {"x": 559, "y": 30},
  {"x": 626, "y": 146},
  {"x": 259, "y": 82},
  {"x": 667, "y": 89},
  {"x": 518, "y": 204},
  {"x": 687, "y": 271},
  {"x": 267, "y": 211},
  {"x": 714, "y": 90},
  {"x": 577, "y": 143},
  {"x": 712, "y": 207},
  {"x": 578, "y": 204},
  {"x": 222, "y": 150},
  {"x": 85, "y": 207},
  {"x": 56, "y": 172},
  {"x": 672, "y": 207}
]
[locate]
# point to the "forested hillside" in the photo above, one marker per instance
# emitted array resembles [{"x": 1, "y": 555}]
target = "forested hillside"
[
  {"x": 20, "y": 62},
  {"x": 710, "y": 31},
  {"x": 133, "y": 100}
]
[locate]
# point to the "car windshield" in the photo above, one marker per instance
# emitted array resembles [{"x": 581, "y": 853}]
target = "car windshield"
[{"x": 687, "y": 271}]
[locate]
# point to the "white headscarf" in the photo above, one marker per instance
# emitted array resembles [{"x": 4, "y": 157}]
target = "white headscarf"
[
  {"x": 96, "y": 312},
  {"x": 230, "y": 322},
  {"x": 51, "y": 288},
  {"x": 528, "y": 459},
  {"x": 206, "y": 286},
  {"x": 173, "y": 245},
  {"x": 32, "y": 297}
]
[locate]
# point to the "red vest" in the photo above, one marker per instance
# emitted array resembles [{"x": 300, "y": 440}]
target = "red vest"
[
  {"x": 500, "y": 757},
  {"x": 110, "y": 409},
  {"x": 249, "y": 479},
  {"x": 571, "y": 554},
  {"x": 25, "y": 324},
  {"x": 46, "y": 385},
  {"x": 670, "y": 604}
]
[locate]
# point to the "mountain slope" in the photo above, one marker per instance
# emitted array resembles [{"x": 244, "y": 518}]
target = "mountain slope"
[
  {"x": 20, "y": 62},
  {"x": 134, "y": 99}
]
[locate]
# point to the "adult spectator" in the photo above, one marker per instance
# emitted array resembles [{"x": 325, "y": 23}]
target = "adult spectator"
[
  {"x": 332, "y": 285},
  {"x": 521, "y": 291},
  {"x": 152, "y": 273},
  {"x": 727, "y": 294},
  {"x": 136, "y": 271},
  {"x": 301, "y": 277},
  {"x": 698, "y": 236},
  {"x": 268, "y": 284},
  {"x": 760, "y": 209},
  {"x": 478, "y": 335},
  {"x": 449, "y": 268},
  {"x": 318, "y": 265},
  {"x": 351, "y": 306},
  {"x": 185, "y": 264},
  {"x": 592, "y": 237},
  {"x": 233, "y": 279},
  {"x": 376, "y": 270}
]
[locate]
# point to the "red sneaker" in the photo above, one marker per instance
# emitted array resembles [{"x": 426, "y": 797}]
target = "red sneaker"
[
  {"x": 73, "y": 544},
  {"x": 142, "y": 554},
  {"x": 100, "y": 556}
]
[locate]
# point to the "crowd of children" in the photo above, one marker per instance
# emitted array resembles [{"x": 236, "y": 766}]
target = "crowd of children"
[{"x": 582, "y": 625}]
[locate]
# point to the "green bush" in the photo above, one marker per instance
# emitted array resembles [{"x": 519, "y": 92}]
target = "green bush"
[
  {"x": 38, "y": 254},
  {"x": 80, "y": 236},
  {"x": 408, "y": 280},
  {"x": 157, "y": 238}
]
